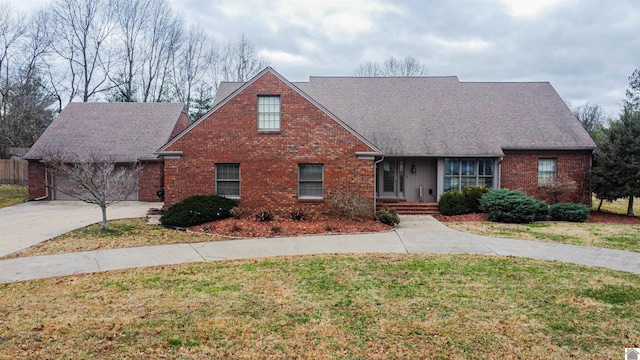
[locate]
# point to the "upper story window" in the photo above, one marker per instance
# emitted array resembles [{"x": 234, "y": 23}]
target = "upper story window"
[
  {"x": 547, "y": 171},
  {"x": 269, "y": 113}
]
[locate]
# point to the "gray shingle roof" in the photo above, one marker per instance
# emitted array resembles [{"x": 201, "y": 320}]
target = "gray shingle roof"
[
  {"x": 442, "y": 116},
  {"x": 126, "y": 131}
]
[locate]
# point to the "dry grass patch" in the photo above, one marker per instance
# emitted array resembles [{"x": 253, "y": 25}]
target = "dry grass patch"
[
  {"x": 122, "y": 233},
  {"x": 12, "y": 195},
  {"x": 618, "y": 206},
  {"x": 320, "y": 307},
  {"x": 612, "y": 236}
]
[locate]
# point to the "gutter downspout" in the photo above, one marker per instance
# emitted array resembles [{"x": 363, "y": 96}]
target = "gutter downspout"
[
  {"x": 375, "y": 182},
  {"x": 46, "y": 186}
]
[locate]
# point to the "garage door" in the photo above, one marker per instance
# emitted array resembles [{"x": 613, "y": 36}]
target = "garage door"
[{"x": 63, "y": 182}]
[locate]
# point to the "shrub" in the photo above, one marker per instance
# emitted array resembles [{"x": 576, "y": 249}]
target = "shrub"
[
  {"x": 298, "y": 215},
  {"x": 472, "y": 195},
  {"x": 509, "y": 206},
  {"x": 264, "y": 215},
  {"x": 197, "y": 210},
  {"x": 349, "y": 205},
  {"x": 453, "y": 203},
  {"x": 570, "y": 212},
  {"x": 236, "y": 212},
  {"x": 388, "y": 216}
]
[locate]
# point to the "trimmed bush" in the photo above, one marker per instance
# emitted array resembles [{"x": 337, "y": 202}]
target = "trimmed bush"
[
  {"x": 453, "y": 203},
  {"x": 197, "y": 210},
  {"x": 388, "y": 216},
  {"x": 472, "y": 195},
  {"x": 570, "y": 212},
  {"x": 509, "y": 206}
]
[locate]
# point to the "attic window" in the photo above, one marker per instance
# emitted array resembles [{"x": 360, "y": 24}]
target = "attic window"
[{"x": 269, "y": 113}]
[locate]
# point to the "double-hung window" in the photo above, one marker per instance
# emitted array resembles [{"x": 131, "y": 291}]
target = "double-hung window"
[
  {"x": 269, "y": 113},
  {"x": 547, "y": 171},
  {"x": 228, "y": 180},
  {"x": 310, "y": 181}
]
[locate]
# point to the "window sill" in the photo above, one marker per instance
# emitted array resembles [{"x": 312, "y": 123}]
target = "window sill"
[
  {"x": 269, "y": 132},
  {"x": 310, "y": 199}
]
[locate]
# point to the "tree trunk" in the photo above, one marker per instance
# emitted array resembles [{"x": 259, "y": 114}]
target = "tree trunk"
[
  {"x": 630, "y": 208},
  {"x": 600, "y": 205},
  {"x": 104, "y": 218}
]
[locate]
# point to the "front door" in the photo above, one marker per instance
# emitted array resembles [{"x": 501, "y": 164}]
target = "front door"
[{"x": 392, "y": 178}]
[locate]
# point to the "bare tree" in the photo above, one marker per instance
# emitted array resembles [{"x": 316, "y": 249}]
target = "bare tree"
[
  {"x": 409, "y": 66},
  {"x": 591, "y": 116},
  {"x": 93, "y": 178},
  {"x": 195, "y": 57},
  {"x": 24, "y": 100},
  {"x": 368, "y": 69},
  {"x": 162, "y": 40},
  {"x": 239, "y": 61},
  {"x": 11, "y": 31},
  {"x": 80, "y": 35},
  {"x": 131, "y": 17}
]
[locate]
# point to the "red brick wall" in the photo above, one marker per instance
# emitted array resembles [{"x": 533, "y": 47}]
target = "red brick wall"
[
  {"x": 151, "y": 179},
  {"x": 36, "y": 180},
  {"x": 268, "y": 161},
  {"x": 520, "y": 171}
]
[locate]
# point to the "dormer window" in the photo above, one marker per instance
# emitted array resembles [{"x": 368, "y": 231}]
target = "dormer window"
[{"x": 269, "y": 113}]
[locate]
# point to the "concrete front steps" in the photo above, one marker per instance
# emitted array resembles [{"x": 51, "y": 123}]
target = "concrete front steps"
[{"x": 410, "y": 208}]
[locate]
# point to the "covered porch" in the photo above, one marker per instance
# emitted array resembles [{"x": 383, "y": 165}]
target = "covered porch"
[{"x": 421, "y": 180}]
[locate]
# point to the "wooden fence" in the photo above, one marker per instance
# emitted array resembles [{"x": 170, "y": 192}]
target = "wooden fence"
[{"x": 13, "y": 171}]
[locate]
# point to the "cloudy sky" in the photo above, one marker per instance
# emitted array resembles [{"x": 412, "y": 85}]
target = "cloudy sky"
[{"x": 586, "y": 48}]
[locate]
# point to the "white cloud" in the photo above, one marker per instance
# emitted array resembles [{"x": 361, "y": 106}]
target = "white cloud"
[{"x": 529, "y": 8}]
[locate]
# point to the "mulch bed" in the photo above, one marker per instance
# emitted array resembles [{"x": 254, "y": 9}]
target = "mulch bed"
[
  {"x": 245, "y": 227},
  {"x": 248, "y": 227},
  {"x": 595, "y": 217}
]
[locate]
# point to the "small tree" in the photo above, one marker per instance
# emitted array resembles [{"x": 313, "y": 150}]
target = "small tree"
[{"x": 93, "y": 178}]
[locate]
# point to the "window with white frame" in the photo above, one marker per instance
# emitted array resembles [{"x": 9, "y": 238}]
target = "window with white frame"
[
  {"x": 310, "y": 181},
  {"x": 269, "y": 113},
  {"x": 547, "y": 169},
  {"x": 461, "y": 173},
  {"x": 228, "y": 180}
]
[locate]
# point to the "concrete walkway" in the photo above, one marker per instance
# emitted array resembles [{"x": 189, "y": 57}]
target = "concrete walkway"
[
  {"x": 416, "y": 234},
  {"x": 28, "y": 224}
]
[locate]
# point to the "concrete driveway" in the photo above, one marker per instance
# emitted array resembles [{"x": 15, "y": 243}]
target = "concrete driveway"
[
  {"x": 416, "y": 234},
  {"x": 25, "y": 225}
]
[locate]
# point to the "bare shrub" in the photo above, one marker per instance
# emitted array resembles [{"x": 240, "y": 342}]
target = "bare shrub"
[
  {"x": 264, "y": 215},
  {"x": 349, "y": 205},
  {"x": 554, "y": 190},
  {"x": 236, "y": 212}
]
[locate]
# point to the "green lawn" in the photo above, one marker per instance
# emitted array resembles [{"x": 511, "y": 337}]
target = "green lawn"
[
  {"x": 12, "y": 194},
  {"x": 328, "y": 307}
]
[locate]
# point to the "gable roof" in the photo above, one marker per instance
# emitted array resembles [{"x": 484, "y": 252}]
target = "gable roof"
[
  {"x": 126, "y": 131},
  {"x": 441, "y": 116},
  {"x": 228, "y": 90}
]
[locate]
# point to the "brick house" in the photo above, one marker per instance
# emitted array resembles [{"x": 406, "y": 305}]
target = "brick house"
[
  {"x": 126, "y": 132},
  {"x": 278, "y": 144}
]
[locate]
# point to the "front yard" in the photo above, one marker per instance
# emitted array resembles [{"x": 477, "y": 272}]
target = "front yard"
[{"x": 321, "y": 307}]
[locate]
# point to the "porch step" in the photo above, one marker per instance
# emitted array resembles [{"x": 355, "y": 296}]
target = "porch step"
[{"x": 411, "y": 208}]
